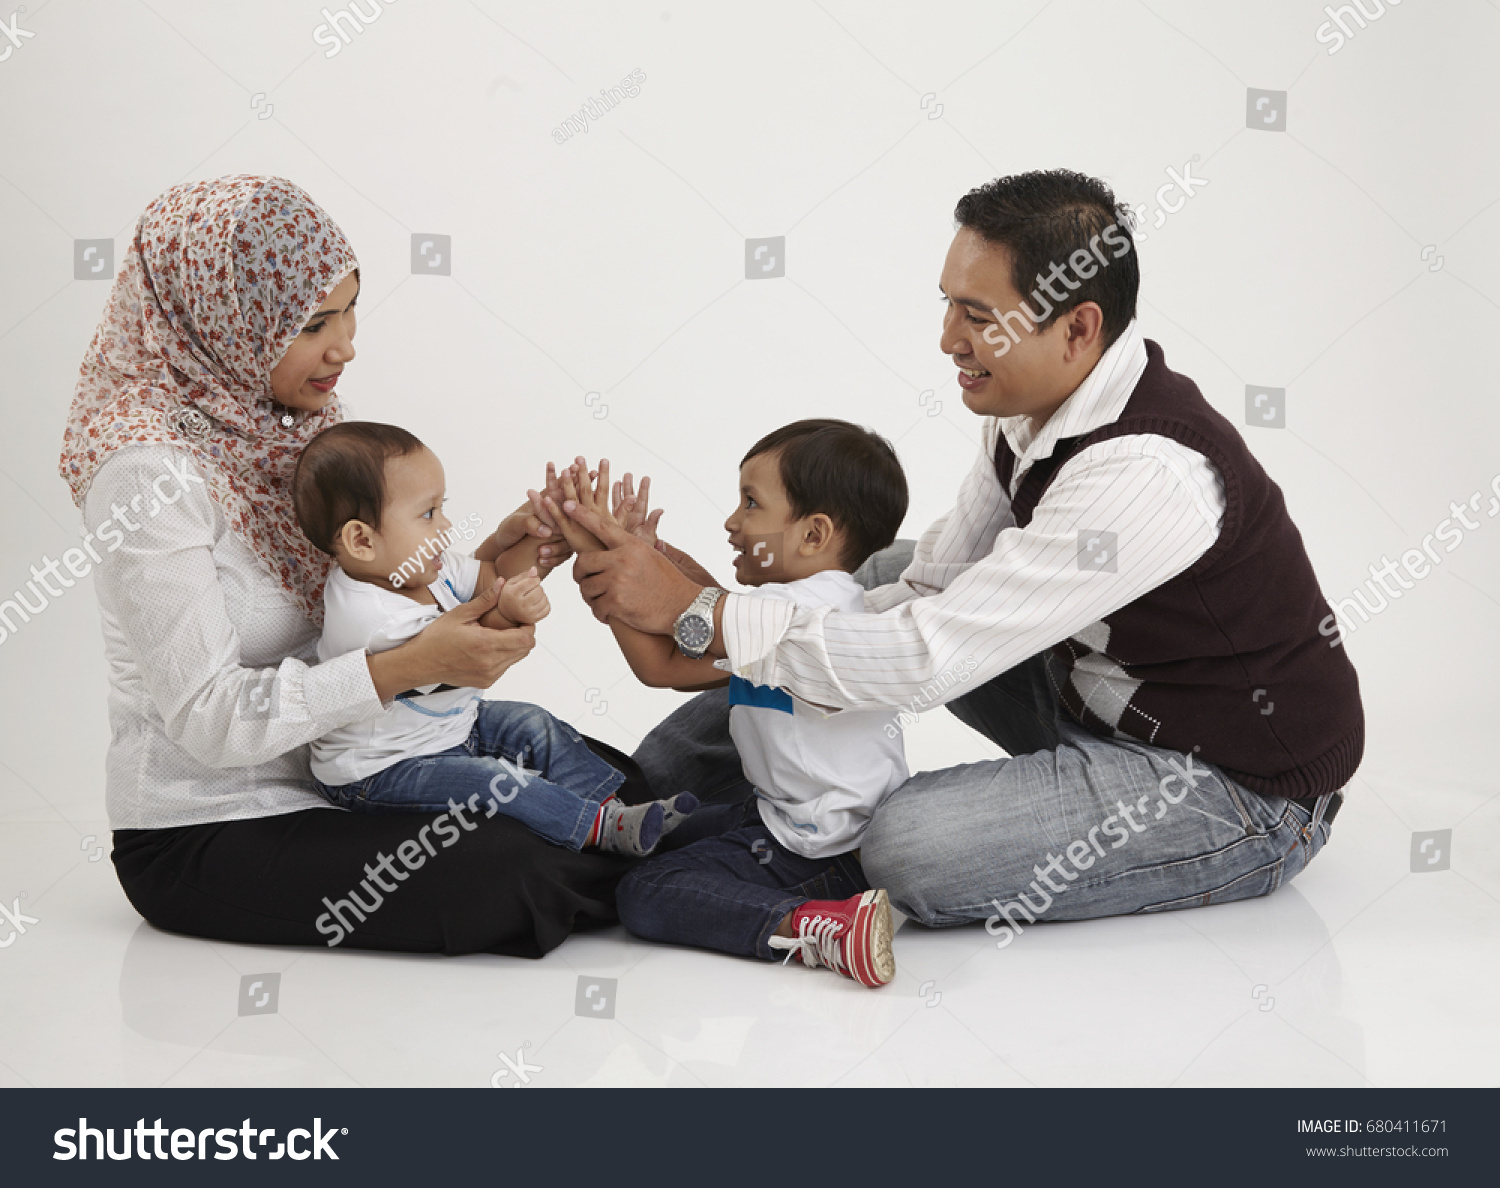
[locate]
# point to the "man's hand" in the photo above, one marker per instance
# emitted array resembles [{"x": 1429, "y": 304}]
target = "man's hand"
[
  {"x": 628, "y": 580},
  {"x": 687, "y": 565},
  {"x": 523, "y": 600},
  {"x": 577, "y": 491}
]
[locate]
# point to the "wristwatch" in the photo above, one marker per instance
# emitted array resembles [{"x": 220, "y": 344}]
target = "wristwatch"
[{"x": 694, "y": 629}]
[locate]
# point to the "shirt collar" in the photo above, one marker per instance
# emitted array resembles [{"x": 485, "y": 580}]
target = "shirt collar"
[{"x": 1100, "y": 399}]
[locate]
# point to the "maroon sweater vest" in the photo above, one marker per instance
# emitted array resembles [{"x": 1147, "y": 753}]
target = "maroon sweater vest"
[{"x": 1226, "y": 657}]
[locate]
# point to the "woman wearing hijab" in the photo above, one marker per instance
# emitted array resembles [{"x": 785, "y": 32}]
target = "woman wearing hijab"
[{"x": 215, "y": 362}]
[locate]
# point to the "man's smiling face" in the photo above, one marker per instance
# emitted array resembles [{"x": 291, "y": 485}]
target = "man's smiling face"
[{"x": 1033, "y": 376}]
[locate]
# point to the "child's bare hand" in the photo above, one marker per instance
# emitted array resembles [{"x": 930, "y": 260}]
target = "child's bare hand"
[
  {"x": 633, "y": 509},
  {"x": 576, "y": 489},
  {"x": 551, "y": 489},
  {"x": 523, "y": 600}
]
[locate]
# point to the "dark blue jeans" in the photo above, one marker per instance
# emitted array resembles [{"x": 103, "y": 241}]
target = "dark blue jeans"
[
  {"x": 730, "y": 890},
  {"x": 518, "y": 760}
]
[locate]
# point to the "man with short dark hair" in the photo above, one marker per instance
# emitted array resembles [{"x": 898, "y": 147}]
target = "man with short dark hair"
[{"x": 1121, "y": 582}]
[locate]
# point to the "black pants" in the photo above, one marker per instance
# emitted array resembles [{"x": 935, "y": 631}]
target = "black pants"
[{"x": 494, "y": 888}]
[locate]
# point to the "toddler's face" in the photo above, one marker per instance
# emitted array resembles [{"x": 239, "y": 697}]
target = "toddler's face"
[
  {"x": 412, "y": 524},
  {"x": 761, "y": 528}
]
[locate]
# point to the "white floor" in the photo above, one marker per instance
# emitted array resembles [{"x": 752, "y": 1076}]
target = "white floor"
[{"x": 1362, "y": 972}]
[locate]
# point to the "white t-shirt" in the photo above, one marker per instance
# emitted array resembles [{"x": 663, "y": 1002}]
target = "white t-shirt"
[
  {"x": 819, "y": 776},
  {"x": 358, "y": 615}
]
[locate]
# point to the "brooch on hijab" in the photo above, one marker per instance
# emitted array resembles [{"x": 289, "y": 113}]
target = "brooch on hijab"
[{"x": 193, "y": 423}]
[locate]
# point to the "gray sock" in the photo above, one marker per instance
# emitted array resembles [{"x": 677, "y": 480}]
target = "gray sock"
[
  {"x": 676, "y": 810},
  {"x": 631, "y": 829}
]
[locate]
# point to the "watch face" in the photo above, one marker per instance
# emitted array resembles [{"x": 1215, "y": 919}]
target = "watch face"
[{"x": 694, "y": 633}]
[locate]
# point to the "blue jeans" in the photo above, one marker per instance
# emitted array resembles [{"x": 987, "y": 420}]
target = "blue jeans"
[
  {"x": 518, "y": 760},
  {"x": 1072, "y": 826},
  {"x": 729, "y": 891}
]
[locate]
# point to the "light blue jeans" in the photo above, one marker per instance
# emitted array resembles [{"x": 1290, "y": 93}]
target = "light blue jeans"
[
  {"x": 1071, "y": 827},
  {"x": 518, "y": 760}
]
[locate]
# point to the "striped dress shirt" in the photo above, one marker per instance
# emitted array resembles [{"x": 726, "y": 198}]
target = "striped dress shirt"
[{"x": 982, "y": 594}]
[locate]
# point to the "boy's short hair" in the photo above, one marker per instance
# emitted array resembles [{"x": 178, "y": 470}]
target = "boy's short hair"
[
  {"x": 341, "y": 477},
  {"x": 848, "y": 473}
]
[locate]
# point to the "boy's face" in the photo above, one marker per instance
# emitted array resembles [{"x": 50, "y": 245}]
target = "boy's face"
[
  {"x": 412, "y": 525},
  {"x": 765, "y": 536}
]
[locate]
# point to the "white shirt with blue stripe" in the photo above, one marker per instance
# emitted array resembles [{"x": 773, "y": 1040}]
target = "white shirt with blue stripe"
[
  {"x": 420, "y": 721},
  {"x": 819, "y": 777}
]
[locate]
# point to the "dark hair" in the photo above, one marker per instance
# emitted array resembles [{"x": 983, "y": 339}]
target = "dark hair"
[
  {"x": 851, "y": 475},
  {"x": 1045, "y": 218},
  {"x": 341, "y": 477}
]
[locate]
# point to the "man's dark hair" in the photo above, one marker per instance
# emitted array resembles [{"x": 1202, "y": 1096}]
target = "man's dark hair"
[
  {"x": 341, "y": 477},
  {"x": 1044, "y": 218},
  {"x": 850, "y": 474}
]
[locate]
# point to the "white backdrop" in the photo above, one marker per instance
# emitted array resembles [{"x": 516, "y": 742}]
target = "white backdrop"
[{"x": 1343, "y": 249}]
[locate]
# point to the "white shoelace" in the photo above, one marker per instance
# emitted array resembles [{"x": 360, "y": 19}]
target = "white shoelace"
[{"x": 817, "y": 940}]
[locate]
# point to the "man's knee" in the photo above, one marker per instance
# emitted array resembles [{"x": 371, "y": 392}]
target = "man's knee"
[
  {"x": 885, "y": 566},
  {"x": 893, "y": 859}
]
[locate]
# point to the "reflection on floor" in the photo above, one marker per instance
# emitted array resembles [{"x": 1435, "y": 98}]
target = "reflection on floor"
[{"x": 1365, "y": 971}]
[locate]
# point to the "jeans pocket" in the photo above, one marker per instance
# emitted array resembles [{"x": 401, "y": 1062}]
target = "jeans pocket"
[
  {"x": 1261, "y": 881},
  {"x": 1238, "y": 796}
]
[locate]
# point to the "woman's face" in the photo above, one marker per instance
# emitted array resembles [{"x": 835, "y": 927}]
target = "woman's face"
[{"x": 307, "y": 373}]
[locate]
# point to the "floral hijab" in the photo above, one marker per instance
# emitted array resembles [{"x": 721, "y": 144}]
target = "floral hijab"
[{"x": 220, "y": 279}]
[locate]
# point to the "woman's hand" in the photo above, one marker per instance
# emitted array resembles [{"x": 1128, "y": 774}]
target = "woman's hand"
[{"x": 454, "y": 649}]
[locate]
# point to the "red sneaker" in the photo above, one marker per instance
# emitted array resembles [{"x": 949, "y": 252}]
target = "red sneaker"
[{"x": 851, "y": 937}]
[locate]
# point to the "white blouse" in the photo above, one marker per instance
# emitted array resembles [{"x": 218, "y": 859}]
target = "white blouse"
[{"x": 215, "y": 691}]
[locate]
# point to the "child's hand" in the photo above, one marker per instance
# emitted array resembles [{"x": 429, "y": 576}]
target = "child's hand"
[
  {"x": 633, "y": 510},
  {"x": 575, "y": 487},
  {"x": 552, "y": 489},
  {"x": 523, "y": 600}
]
